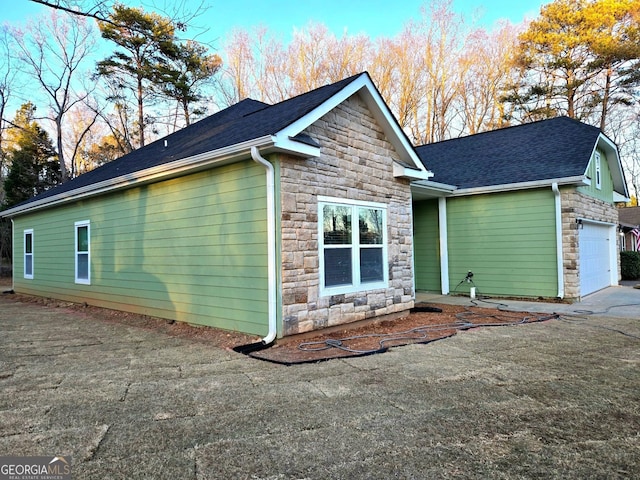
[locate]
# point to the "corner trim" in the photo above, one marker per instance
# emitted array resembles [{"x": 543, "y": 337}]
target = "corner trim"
[{"x": 559, "y": 252}]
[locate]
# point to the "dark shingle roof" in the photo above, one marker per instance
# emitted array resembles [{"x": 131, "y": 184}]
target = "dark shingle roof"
[
  {"x": 244, "y": 121},
  {"x": 550, "y": 149}
]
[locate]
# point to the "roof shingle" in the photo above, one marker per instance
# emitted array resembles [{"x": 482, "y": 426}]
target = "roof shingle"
[
  {"x": 556, "y": 148},
  {"x": 244, "y": 121}
]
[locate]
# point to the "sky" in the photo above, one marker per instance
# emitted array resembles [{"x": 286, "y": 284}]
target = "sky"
[{"x": 371, "y": 17}]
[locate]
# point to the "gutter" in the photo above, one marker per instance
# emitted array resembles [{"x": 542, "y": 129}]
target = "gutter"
[
  {"x": 271, "y": 243},
  {"x": 430, "y": 186},
  {"x": 559, "y": 254},
  {"x": 580, "y": 179},
  {"x": 164, "y": 171}
]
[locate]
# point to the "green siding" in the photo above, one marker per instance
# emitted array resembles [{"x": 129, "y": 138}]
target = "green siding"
[
  {"x": 426, "y": 245},
  {"x": 192, "y": 249},
  {"x": 507, "y": 240},
  {"x": 605, "y": 193}
]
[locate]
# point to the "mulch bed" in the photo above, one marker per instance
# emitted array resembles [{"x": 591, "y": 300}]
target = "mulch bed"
[
  {"x": 419, "y": 327},
  {"x": 422, "y": 325}
]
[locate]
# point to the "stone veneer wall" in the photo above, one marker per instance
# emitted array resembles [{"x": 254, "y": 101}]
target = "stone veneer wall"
[
  {"x": 356, "y": 163},
  {"x": 577, "y": 205}
]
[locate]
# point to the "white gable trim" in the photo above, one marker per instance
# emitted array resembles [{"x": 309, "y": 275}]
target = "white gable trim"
[
  {"x": 290, "y": 145},
  {"x": 400, "y": 171},
  {"x": 364, "y": 86},
  {"x": 615, "y": 165}
]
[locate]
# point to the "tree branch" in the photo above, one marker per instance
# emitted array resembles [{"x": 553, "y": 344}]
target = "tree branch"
[{"x": 58, "y": 6}]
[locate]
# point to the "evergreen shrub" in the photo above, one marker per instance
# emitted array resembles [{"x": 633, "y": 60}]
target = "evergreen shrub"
[{"x": 630, "y": 265}]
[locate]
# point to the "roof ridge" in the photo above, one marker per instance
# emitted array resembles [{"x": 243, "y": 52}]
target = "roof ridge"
[
  {"x": 310, "y": 93},
  {"x": 501, "y": 129}
]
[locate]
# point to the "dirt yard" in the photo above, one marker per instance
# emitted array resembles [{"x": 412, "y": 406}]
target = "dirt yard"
[{"x": 139, "y": 398}]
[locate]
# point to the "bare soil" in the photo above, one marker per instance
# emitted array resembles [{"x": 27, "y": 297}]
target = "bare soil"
[
  {"x": 370, "y": 338},
  {"x": 555, "y": 399},
  {"x": 212, "y": 336}
]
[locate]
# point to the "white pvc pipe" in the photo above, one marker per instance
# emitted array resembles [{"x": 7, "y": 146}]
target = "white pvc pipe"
[
  {"x": 271, "y": 243},
  {"x": 559, "y": 255}
]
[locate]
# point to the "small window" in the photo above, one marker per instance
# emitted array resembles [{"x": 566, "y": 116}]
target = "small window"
[
  {"x": 598, "y": 171},
  {"x": 28, "y": 254},
  {"x": 83, "y": 252},
  {"x": 353, "y": 246}
]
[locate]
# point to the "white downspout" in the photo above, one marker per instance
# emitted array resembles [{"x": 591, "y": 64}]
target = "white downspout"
[
  {"x": 271, "y": 244},
  {"x": 444, "y": 245},
  {"x": 13, "y": 258},
  {"x": 559, "y": 254}
]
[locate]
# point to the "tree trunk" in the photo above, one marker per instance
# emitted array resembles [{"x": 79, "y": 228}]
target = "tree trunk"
[
  {"x": 185, "y": 109},
  {"x": 63, "y": 167},
  {"x": 140, "y": 113},
  {"x": 605, "y": 99}
]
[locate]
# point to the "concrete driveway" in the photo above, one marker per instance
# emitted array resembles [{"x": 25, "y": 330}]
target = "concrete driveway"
[
  {"x": 619, "y": 301},
  {"x": 558, "y": 399}
]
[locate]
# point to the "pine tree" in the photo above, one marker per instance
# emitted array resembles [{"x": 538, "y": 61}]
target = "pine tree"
[
  {"x": 147, "y": 42},
  {"x": 190, "y": 68},
  {"x": 573, "y": 58},
  {"x": 34, "y": 162}
]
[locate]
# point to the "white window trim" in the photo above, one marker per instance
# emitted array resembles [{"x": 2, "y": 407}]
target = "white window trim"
[
  {"x": 598, "y": 171},
  {"x": 356, "y": 286},
  {"x": 83, "y": 223},
  {"x": 24, "y": 246}
]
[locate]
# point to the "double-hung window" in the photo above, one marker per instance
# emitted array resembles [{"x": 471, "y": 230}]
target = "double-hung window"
[
  {"x": 83, "y": 252},
  {"x": 353, "y": 246},
  {"x": 28, "y": 254}
]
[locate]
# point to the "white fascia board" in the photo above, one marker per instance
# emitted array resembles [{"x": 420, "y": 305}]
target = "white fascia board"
[
  {"x": 379, "y": 110},
  {"x": 161, "y": 172},
  {"x": 302, "y": 123},
  {"x": 614, "y": 162},
  {"x": 286, "y": 144},
  {"x": 617, "y": 198},
  {"x": 400, "y": 171},
  {"x": 391, "y": 128},
  {"x": 431, "y": 186},
  {"x": 519, "y": 186}
]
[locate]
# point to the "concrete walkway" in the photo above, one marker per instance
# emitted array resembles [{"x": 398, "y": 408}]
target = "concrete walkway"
[{"x": 619, "y": 301}]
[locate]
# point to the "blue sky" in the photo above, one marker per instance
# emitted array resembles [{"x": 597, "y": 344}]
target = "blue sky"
[{"x": 371, "y": 17}]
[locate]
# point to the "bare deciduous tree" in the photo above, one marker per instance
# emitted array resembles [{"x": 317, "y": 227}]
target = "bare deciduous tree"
[
  {"x": 485, "y": 68},
  {"x": 7, "y": 82},
  {"x": 52, "y": 50}
]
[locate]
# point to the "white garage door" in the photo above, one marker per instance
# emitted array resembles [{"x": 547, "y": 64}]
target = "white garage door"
[{"x": 595, "y": 257}]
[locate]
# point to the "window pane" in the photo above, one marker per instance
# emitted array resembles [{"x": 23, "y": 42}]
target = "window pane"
[
  {"x": 371, "y": 268},
  {"x": 337, "y": 267},
  {"x": 370, "y": 226},
  {"x": 28, "y": 243},
  {"x": 28, "y": 265},
  {"x": 83, "y": 266},
  {"x": 83, "y": 239},
  {"x": 336, "y": 225}
]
